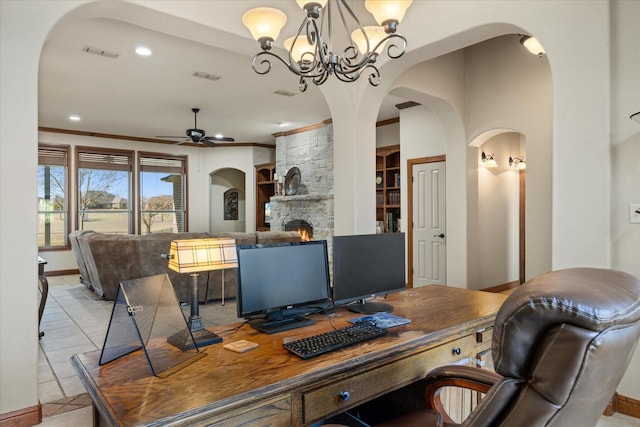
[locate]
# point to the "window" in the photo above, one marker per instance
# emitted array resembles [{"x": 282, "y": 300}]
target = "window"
[
  {"x": 53, "y": 218},
  {"x": 104, "y": 190},
  {"x": 162, "y": 193}
]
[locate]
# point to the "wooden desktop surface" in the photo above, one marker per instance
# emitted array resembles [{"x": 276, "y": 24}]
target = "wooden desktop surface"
[{"x": 278, "y": 388}]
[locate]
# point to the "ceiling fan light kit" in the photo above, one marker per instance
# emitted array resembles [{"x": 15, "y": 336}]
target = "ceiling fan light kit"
[
  {"x": 310, "y": 51},
  {"x": 198, "y": 136}
]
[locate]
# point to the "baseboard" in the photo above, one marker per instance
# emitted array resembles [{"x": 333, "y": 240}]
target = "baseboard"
[
  {"x": 502, "y": 287},
  {"x": 627, "y": 406},
  {"x": 61, "y": 272},
  {"x": 25, "y": 417}
]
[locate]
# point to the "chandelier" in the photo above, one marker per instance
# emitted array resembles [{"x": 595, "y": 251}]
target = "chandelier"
[{"x": 311, "y": 52}]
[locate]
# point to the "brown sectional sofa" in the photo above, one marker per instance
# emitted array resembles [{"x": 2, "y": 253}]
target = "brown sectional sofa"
[{"x": 104, "y": 260}]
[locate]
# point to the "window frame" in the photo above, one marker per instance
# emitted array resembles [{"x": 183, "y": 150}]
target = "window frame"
[
  {"x": 88, "y": 164},
  {"x": 66, "y": 150},
  {"x": 148, "y": 168}
]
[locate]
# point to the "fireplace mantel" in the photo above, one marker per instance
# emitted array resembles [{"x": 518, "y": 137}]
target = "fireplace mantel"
[{"x": 302, "y": 198}]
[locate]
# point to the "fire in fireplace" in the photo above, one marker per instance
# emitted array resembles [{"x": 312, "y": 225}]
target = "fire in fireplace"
[{"x": 304, "y": 228}]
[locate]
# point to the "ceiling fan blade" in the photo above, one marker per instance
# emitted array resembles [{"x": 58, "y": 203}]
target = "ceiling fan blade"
[
  {"x": 208, "y": 142},
  {"x": 169, "y": 136},
  {"x": 220, "y": 139}
]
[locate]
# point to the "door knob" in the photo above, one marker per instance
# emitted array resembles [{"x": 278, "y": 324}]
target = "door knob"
[{"x": 441, "y": 235}]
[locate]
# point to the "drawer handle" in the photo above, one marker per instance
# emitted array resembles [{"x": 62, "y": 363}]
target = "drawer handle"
[
  {"x": 456, "y": 351},
  {"x": 344, "y": 396}
]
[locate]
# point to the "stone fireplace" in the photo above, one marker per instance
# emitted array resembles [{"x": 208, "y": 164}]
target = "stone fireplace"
[{"x": 312, "y": 152}]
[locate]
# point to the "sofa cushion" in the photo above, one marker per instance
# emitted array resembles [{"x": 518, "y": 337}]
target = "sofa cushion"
[
  {"x": 108, "y": 259},
  {"x": 277, "y": 236}
]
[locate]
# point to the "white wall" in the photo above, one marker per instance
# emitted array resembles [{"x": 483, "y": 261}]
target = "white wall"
[
  {"x": 625, "y": 154},
  {"x": 19, "y": 57},
  {"x": 498, "y": 213},
  {"x": 388, "y": 135}
]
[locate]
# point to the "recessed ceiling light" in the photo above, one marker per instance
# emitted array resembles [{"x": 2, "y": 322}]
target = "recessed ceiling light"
[
  {"x": 282, "y": 124},
  {"x": 74, "y": 118},
  {"x": 143, "y": 51}
]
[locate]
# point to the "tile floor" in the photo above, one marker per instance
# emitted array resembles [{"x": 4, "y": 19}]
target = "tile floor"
[{"x": 75, "y": 321}]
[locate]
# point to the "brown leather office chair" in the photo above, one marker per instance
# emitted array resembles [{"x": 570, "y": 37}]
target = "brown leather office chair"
[{"x": 561, "y": 344}]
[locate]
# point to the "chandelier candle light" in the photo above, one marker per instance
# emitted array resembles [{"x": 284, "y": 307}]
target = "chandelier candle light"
[{"x": 310, "y": 51}]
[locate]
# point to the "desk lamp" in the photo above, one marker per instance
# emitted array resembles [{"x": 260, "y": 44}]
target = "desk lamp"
[{"x": 193, "y": 256}]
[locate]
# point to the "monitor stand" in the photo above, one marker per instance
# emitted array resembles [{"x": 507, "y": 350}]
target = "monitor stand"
[
  {"x": 271, "y": 326},
  {"x": 371, "y": 307}
]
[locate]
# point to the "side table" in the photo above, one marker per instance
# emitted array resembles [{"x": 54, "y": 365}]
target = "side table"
[{"x": 44, "y": 290}]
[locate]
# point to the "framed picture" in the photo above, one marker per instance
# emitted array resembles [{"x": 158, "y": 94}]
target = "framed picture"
[{"x": 231, "y": 205}]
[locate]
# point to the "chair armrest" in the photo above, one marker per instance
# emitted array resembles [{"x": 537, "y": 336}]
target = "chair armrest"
[{"x": 468, "y": 377}]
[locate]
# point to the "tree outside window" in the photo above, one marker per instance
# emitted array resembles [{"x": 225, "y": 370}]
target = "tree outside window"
[
  {"x": 104, "y": 190},
  {"x": 52, "y": 197},
  {"x": 162, "y": 189}
]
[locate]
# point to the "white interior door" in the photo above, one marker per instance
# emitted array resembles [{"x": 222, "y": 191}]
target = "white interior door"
[{"x": 429, "y": 228}]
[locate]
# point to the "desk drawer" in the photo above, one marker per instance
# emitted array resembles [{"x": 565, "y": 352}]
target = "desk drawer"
[
  {"x": 484, "y": 335},
  {"x": 341, "y": 395}
]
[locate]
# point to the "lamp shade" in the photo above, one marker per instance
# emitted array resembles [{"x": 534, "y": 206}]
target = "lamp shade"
[
  {"x": 375, "y": 35},
  {"x": 195, "y": 255},
  {"x": 264, "y": 22},
  {"x": 532, "y": 45},
  {"x": 491, "y": 163},
  {"x": 387, "y": 10},
  {"x": 301, "y": 49}
]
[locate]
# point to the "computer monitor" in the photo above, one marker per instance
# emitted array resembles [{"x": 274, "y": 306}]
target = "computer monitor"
[
  {"x": 279, "y": 283},
  {"x": 365, "y": 266}
]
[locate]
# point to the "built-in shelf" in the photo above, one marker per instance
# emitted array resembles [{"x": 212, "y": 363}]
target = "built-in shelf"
[
  {"x": 388, "y": 184},
  {"x": 265, "y": 188}
]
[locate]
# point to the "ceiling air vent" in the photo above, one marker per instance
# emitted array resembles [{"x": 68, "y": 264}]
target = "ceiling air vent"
[
  {"x": 284, "y": 93},
  {"x": 100, "y": 52},
  {"x": 207, "y": 76}
]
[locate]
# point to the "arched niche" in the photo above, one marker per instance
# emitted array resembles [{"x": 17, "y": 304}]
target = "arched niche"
[
  {"x": 497, "y": 210},
  {"x": 227, "y": 201}
]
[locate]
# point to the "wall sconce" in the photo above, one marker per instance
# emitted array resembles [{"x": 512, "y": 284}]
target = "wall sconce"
[
  {"x": 635, "y": 117},
  {"x": 517, "y": 162},
  {"x": 489, "y": 161},
  {"x": 532, "y": 45}
]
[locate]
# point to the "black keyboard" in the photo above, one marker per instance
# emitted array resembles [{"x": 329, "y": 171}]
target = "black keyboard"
[{"x": 325, "y": 342}]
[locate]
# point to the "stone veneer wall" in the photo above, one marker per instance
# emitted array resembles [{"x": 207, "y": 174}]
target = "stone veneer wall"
[{"x": 312, "y": 153}]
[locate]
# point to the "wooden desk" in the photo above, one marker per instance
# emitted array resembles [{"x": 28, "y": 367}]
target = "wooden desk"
[{"x": 271, "y": 387}]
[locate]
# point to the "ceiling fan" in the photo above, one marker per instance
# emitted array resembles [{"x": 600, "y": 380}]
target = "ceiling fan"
[{"x": 198, "y": 136}]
